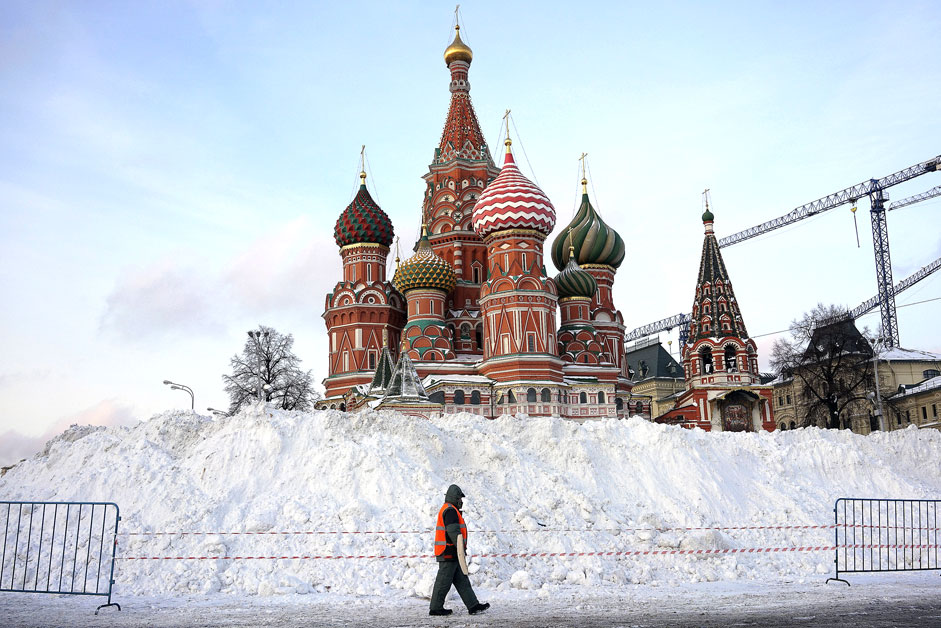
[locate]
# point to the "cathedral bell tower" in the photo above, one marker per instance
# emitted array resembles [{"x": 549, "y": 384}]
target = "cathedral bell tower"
[
  {"x": 723, "y": 386},
  {"x": 461, "y": 169}
]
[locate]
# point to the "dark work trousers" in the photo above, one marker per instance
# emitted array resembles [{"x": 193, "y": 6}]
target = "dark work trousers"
[{"x": 449, "y": 572}]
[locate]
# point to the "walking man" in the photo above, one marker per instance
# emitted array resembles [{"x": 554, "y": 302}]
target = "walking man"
[{"x": 450, "y": 551}]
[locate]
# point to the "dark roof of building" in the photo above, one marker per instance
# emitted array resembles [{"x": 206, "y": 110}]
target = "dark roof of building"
[
  {"x": 651, "y": 360},
  {"x": 383, "y": 376},
  {"x": 838, "y": 337}
]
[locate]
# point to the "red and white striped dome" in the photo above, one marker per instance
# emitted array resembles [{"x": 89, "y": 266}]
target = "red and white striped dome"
[{"x": 512, "y": 201}]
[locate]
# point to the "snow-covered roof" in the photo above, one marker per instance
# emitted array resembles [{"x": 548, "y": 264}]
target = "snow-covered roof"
[
  {"x": 928, "y": 384},
  {"x": 580, "y": 379},
  {"x": 430, "y": 380},
  {"x": 898, "y": 353}
]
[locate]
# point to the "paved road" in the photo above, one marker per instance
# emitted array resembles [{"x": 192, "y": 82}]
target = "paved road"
[{"x": 907, "y": 602}]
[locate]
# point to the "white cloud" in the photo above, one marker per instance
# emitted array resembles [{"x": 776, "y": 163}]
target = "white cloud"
[
  {"x": 281, "y": 271},
  {"x": 165, "y": 298},
  {"x": 15, "y": 446}
]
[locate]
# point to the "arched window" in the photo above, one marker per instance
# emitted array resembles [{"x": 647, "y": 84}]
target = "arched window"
[
  {"x": 730, "y": 359},
  {"x": 601, "y": 396},
  {"x": 475, "y": 397},
  {"x": 436, "y": 397},
  {"x": 510, "y": 397},
  {"x": 582, "y": 398},
  {"x": 619, "y": 404},
  {"x": 793, "y": 425},
  {"x": 531, "y": 395},
  {"x": 459, "y": 397},
  {"x": 546, "y": 395},
  {"x": 639, "y": 408},
  {"x": 705, "y": 355}
]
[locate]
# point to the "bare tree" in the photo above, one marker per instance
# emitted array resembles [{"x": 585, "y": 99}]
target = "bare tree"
[
  {"x": 268, "y": 363},
  {"x": 830, "y": 360}
]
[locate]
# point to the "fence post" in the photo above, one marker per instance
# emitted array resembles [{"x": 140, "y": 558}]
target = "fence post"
[{"x": 836, "y": 543}]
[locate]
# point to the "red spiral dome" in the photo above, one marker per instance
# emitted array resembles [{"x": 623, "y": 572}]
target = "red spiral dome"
[{"x": 512, "y": 201}]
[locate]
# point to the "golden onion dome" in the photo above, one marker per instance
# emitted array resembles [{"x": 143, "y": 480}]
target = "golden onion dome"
[
  {"x": 458, "y": 50},
  {"x": 425, "y": 270}
]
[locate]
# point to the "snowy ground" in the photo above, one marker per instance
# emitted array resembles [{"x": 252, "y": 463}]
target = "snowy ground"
[
  {"x": 269, "y": 483},
  {"x": 898, "y": 600}
]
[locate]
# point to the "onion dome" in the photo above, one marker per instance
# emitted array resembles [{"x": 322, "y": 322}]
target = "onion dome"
[
  {"x": 593, "y": 241},
  {"x": 707, "y": 215},
  {"x": 512, "y": 201},
  {"x": 458, "y": 50},
  {"x": 363, "y": 221},
  {"x": 575, "y": 282},
  {"x": 425, "y": 269}
]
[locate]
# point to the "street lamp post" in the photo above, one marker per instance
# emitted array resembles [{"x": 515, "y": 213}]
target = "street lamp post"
[
  {"x": 257, "y": 336},
  {"x": 875, "y": 365},
  {"x": 187, "y": 389}
]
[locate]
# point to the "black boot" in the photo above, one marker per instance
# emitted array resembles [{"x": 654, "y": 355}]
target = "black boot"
[
  {"x": 444, "y": 611},
  {"x": 478, "y": 608}
]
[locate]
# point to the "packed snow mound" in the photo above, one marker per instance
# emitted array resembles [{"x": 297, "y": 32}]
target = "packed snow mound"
[{"x": 533, "y": 485}]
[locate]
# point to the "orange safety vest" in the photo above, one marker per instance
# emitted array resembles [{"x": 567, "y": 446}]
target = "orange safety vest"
[{"x": 442, "y": 544}]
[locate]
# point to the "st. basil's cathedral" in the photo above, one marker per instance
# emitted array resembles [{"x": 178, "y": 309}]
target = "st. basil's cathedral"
[{"x": 468, "y": 323}]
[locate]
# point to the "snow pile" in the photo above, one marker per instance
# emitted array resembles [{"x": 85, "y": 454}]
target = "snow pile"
[{"x": 533, "y": 484}]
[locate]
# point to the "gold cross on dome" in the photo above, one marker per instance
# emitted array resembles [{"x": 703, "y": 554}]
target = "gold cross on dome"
[{"x": 582, "y": 159}]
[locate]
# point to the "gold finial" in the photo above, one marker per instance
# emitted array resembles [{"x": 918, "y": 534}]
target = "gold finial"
[
  {"x": 362, "y": 165},
  {"x": 584, "y": 179},
  {"x": 571, "y": 246},
  {"x": 508, "y": 142},
  {"x": 385, "y": 337},
  {"x": 458, "y": 50},
  {"x": 705, "y": 196},
  {"x": 424, "y": 230}
]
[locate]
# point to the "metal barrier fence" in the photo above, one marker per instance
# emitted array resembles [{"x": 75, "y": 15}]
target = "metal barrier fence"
[
  {"x": 875, "y": 535},
  {"x": 59, "y": 547}
]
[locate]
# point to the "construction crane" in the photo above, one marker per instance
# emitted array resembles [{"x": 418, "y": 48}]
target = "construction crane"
[
  {"x": 679, "y": 320},
  {"x": 682, "y": 320},
  {"x": 875, "y": 189},
  {"x": 870, "y": 304},
  {"x": 911, "y": 200}
]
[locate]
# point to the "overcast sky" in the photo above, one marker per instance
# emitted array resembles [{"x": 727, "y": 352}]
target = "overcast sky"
[{"x": 171, "y": 172}]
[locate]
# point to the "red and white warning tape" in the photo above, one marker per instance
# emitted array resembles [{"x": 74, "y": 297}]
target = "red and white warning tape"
[
  {"x": 517, "y": 530},
  {"x": 672, "y": 552},
  {"x": 521, "y": 531}
]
